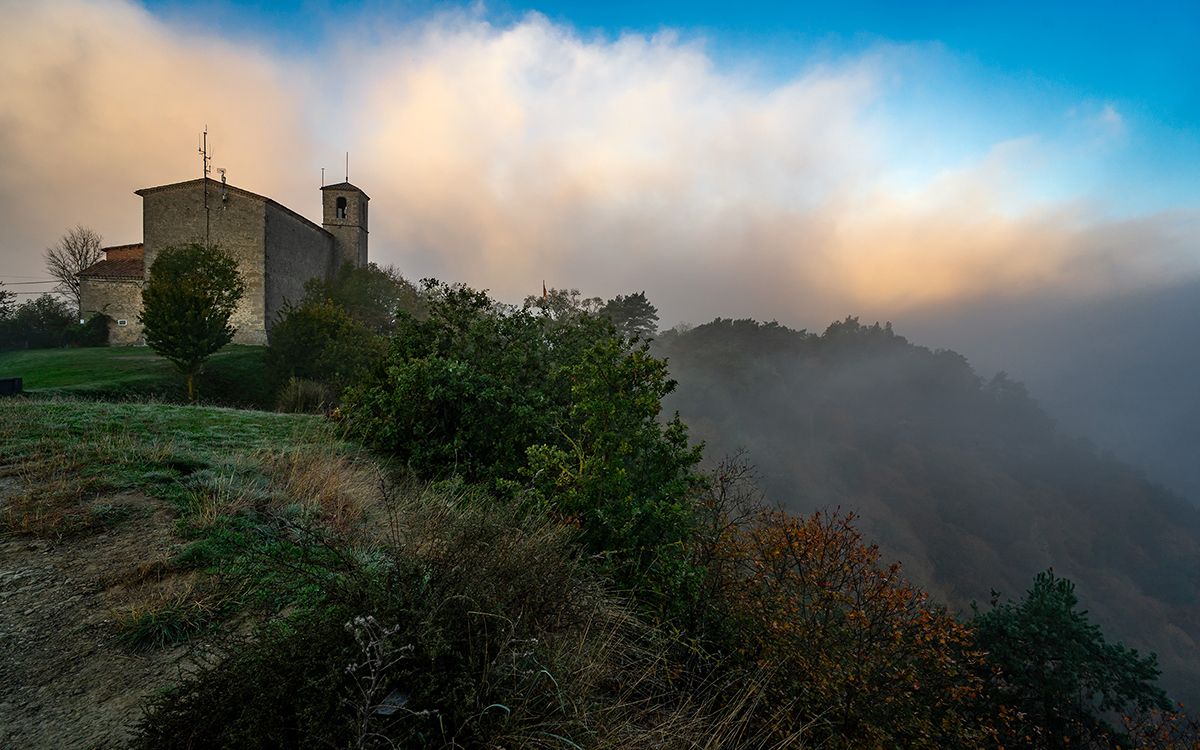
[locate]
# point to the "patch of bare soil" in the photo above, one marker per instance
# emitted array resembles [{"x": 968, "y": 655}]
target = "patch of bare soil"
[{"x": 65, "y": 680}]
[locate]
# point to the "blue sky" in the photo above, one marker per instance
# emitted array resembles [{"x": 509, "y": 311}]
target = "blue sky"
[
  {"x": 1139, "y": 52},
  {"x": 990, "y": 70}
]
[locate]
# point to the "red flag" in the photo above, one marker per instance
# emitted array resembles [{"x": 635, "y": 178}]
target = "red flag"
[{"x": 544, "y": 295}]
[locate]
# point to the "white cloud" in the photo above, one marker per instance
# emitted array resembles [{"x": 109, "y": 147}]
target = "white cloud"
[{"x": 502, "y": 155}]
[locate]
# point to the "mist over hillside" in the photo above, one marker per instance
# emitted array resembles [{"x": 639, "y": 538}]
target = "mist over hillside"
[
  {"x": 1121, "y": 370},
  {"x": 964, "y": 479}
]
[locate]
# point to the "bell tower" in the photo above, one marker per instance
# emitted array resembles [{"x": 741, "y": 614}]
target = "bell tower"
[{"x": 345, "y": 217}]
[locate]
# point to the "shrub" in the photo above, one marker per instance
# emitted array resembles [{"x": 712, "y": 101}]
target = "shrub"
[
  {"x": 466, "y": 390},
  {"x": 92, "y": 333},
  {"x": 300, "y": 396},
  {"x": 40, "y": 323},
  {"x": 847, "y": 654},
  {"x": 560, "y": 406},
  {"x": 319, "y": 342},
  {"x": 372, "y": 296},
  {"x": 624, "y": 477},
  {"x": 475, "y": 627}
]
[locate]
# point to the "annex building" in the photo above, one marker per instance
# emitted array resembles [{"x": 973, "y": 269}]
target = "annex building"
[{"x": 277, "y": 250}]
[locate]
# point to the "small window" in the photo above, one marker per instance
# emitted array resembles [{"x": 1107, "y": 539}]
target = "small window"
[
  {"x": 341, "y": 208},
  {"x": 122, "y": 322}
]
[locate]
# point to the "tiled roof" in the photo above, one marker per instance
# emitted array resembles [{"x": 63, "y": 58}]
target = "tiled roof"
[
  {"x": 120, "y": 262},
  {"x": 124, "y": 252}
]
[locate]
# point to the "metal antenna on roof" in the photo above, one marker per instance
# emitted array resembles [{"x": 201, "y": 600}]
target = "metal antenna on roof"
[
  {"x": 206, "y": 168},
  {"x": 347, "y": 166},
  {"x": 224, "y": 192},
  {"x": 322, "y": 176}
]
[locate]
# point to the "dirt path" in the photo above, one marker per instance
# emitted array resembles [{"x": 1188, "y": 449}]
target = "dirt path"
[{"x": 64, "y": 680}]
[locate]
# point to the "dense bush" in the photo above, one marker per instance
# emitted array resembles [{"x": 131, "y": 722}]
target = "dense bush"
[
  {"x": 625, "y": 478},
  {"x": 334, "y": 336},
  {"x": 844, "y": 651},
  {"x": 319, "y": 341},
  {"x": 467, "y": 389},
  {"x": 93, "y": 332},
  {"x": 559, "y": 405},
  {"x": 46, "y": 322}
]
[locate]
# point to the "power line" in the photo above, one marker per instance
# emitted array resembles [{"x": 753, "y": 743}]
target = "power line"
[{"x": 26, "y": 283}]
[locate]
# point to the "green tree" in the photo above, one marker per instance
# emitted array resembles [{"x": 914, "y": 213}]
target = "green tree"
[
  {"x": 8, "y": 302},
  {"x": 632, "y": 314},
  {"x": 626, "y": 478},
  {"x": 1059, "y": 672},
  {"x": 187, "y": 304},
  {"x": 371, "y": 295},
  {"x": 320, "y": 341},
  {"x": 39, "y": 323},
  {"x": 563, "y": 305}
]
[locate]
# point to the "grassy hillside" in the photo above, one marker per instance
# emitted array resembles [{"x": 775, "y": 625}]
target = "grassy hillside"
[
  {"x": 61, "y": 454},
  {"x": 147, "y": 526},
  {"x": 234, "y": 376}
]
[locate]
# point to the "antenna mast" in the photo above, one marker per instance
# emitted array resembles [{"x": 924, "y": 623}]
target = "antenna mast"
[
  {"x": 347, "y": 166},
  {"x": 205, "y": 169}
]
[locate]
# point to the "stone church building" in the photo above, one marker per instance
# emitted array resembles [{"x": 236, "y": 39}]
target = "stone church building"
[{"x": 277, "y": 250}]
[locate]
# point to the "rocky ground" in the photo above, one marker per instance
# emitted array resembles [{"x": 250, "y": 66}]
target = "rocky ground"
[{"x": 65, "y": 679}]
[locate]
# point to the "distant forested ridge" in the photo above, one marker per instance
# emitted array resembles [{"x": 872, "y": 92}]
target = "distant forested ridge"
[{"x": 964, "y": 479}]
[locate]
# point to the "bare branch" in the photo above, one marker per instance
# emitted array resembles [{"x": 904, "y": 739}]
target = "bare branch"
[{"x": 75, "y": 251}]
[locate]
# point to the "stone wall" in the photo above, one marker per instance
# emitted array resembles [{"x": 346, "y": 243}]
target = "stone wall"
[
  {"x": 296, "y": 251},
  {"x": 119, "y": 299},
  {"x": 175, "y": 215},
  {"x": 276, "y": 250}
]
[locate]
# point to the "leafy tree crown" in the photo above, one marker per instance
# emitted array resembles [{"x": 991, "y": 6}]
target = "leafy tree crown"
[{"x": 188, "y": 302}]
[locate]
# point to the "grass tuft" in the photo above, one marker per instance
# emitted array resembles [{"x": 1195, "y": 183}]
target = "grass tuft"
[{"x": 165, "y": 623}]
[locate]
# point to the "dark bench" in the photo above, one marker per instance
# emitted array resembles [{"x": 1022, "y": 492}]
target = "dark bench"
[{"x": 10, "y": 386}]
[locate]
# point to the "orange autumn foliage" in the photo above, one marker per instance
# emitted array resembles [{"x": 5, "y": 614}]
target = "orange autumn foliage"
[{"x": 847, "y": 653}]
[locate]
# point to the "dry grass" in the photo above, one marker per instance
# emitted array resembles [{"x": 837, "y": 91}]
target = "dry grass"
[
  {"x": 46, "y": 497},
  {"x": 218, "y": 498},
  {"x": 157, "y": 605},
  {"x": 341, "y": 490},
  {"x": 499, "y": 595},
  {"x": 171, "y": 616},
  {"x": 570, "y": 664},
  {"x": 51, "y": 486}
]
